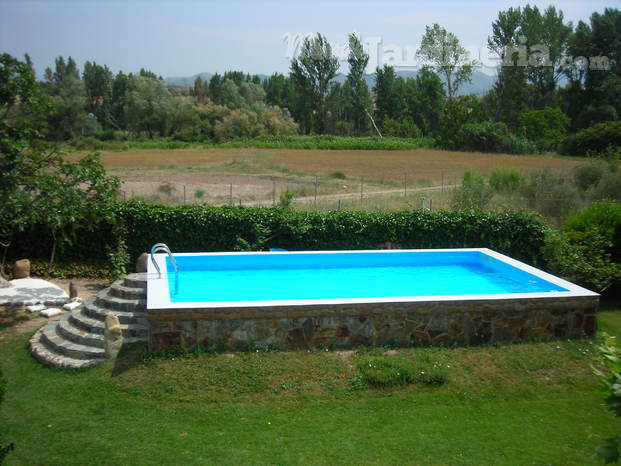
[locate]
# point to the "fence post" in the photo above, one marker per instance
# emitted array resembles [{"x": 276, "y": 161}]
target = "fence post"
[
  {"x": 273, "y": 192},
  {"x": 339, "y": 205},
  {"x": 231, "y": 194},
  {"x": 442, "y": 182},
  {"x": 315, "y": 200},
  {"x": 361, "y": 188},
  {"x": 183, "y": 194},
  {"x": 405, "y": 185}
]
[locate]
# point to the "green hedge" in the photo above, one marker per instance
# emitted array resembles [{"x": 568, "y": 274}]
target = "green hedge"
[{"x": 202, "y": 228}]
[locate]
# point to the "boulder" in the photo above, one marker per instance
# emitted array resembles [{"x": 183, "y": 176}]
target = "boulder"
[
  {"x": 141, "y": 263},
  {"x": 113, "y": 335},
  {"x": 21, "y": 269}
]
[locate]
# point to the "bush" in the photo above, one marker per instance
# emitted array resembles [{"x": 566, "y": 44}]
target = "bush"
[
  {"x": 547, "y": 127},
  {"x": 593, "y": 141},
  {"x": 486, "y": 136},
  {"x": 195, "y": 228},
  {"x": 608, "y": 188},
  {"x": 404, "y": 128},
  {"x": 338, "y": 175},
  {"x": 473, "y": 193},
  {"x": 490, "y": 136},
  {"x": 551, "y": 196},
  {"x": 588, "y": 176},
  {"x": 602, "y": 217},
  {"x": 506, "y": 180}
]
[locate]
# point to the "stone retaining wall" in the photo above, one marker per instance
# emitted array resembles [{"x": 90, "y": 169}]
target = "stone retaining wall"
[{"x": 350, "y": 325}]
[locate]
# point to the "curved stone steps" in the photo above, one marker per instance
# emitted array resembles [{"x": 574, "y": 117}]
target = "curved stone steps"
[
  {"x": 50, "y": 358},
  {"x": 76, "y": 340},
  {"x": 85, "y": 323},
  {"x": 51, "y": 338},
  {"x": 98, "y": 312}
]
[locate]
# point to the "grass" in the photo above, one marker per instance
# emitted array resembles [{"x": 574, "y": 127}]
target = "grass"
[{"x": 527, "y": 403}]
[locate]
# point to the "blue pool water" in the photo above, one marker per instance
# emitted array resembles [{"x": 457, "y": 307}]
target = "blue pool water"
[{"x": 291, "y": 276}]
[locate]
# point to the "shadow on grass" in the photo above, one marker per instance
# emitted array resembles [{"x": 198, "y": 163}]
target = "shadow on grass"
[
  {"x": 129, "y": 357},
  {"x": 11, "y": 317}
]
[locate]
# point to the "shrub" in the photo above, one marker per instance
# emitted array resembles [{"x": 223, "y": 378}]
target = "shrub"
[
  {"x": 199, "y": 193},
  {"x": 588, "y": 176},
  {"x": 517, "y": 144},
  {"x": 594, "y": 140},
  {"x": 473, "y": 193},
  {"x": 608, "y": 188},
  {"x": 404, "y": 128},
  {"x": 486, "y": 136},
  {"x": 602, "y": 217},
  {"x": 286, "y": 197},
  {"x": 506, "y": 180},
  {"x": 547, "y": 127},
  {"x": 338, "y": 175},
  {"x": 550, "y": 195}
]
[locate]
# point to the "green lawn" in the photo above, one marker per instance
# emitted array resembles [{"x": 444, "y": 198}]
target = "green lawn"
[{"x": 517, "y": 404}]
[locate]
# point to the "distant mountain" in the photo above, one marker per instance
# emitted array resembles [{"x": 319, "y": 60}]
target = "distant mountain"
[{"x": 481, "y": 82}]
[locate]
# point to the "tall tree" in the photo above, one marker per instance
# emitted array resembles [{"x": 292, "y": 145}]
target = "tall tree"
[
  {"x": 425, "y": 101},
  {"x": 441, "y": 50},
  {"x": 98, "y": 89},
  {"x": 148, "y": 106},
  {"x": 200, "y": 91},
  {"x": 389, "y": 94},
  {"x": 356, "y": 87},
  {"x": 312, "y": 72}
]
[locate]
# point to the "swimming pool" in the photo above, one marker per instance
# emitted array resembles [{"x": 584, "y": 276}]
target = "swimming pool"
[{"x": 260, "y": 297}]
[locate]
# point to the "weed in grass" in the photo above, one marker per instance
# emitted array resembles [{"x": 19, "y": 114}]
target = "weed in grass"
[
  {"x": 338, "y": 175},
  {"x": 199, "y": 193},
  {"x": 386, "y": 372}
]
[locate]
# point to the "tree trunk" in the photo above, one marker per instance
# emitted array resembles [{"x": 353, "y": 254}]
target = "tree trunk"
[{"x": 53, "y": 247}]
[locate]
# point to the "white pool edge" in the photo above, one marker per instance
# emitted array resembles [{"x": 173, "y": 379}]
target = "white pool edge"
[{"x": 158, "y": 296}]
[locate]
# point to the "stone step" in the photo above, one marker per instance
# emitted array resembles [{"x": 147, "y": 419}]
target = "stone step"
[
  {"x": 118, "y": 290},
  {"x": 88, "y": 324},
  {"x": 56, "y": 343},
  {"x": 69, "y": 332},
  {"x": 136, "y": 280},
  {"x": 106, "y": 300},
  {"x": 47, "y": 356},
  {"x": 95, "y": 311}
]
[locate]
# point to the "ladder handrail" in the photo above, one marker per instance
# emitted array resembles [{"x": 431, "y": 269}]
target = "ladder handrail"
[{"x": 162, "y": 247}]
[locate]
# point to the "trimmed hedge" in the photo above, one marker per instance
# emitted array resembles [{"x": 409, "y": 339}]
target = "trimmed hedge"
[{"x": 201, "y": 228}]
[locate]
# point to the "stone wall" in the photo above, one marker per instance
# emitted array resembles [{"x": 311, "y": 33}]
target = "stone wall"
[{"x": 350, "y": 325}]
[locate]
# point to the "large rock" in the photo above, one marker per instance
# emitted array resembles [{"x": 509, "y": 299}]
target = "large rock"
[
  {"x": 141, "y": 263},
  {"x": 21, "y": 269},
  {"x": 113, "y": 335}
]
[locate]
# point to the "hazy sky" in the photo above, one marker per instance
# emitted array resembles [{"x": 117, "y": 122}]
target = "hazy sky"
[{"x": 186, "y": 37}]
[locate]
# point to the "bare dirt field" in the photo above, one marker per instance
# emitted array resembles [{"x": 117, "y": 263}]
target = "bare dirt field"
[{"x": 255, "y": 176}]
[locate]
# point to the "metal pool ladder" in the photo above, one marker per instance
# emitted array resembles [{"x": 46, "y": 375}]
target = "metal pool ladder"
[{"x": 162, "y": 247}]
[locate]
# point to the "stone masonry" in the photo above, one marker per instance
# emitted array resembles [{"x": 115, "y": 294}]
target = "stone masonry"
[{"x": 349, "y": 325}]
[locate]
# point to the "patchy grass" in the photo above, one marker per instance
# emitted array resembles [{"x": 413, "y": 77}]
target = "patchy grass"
[{"x": 505, "y": 404}]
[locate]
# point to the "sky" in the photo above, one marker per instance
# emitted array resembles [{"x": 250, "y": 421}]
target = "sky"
[{"x": 185, "y": 37}]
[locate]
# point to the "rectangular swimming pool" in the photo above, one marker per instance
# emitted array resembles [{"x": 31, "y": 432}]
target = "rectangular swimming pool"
[{"x": 259, "y": 287}]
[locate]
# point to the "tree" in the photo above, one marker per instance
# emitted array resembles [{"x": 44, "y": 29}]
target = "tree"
[
  {"x": 441, "y": 50},
  {"x": 510, "y": 95},
  {"x": 69, "y": 119},
  {"x": 388, "y": 89},
  {"x": 425, "y": 100},
  {"x": 356, "y": 87},
  {"x": 312, "y": 72},
  {"x": 148, "y": 106},
  {"x": 98, "y": 89},
  {"x": 278, "y": 90},
  {"x": 200, "y": 91},
  {"x": 37, "y": 185}
]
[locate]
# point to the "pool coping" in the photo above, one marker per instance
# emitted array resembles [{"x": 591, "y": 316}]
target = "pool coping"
[{"x": 158, "y": 296}]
